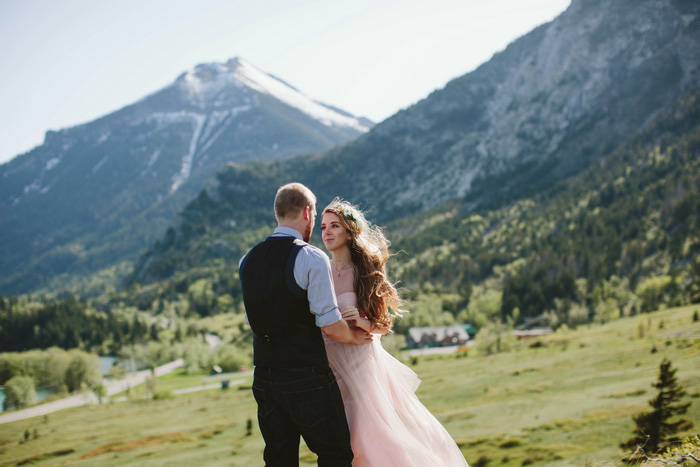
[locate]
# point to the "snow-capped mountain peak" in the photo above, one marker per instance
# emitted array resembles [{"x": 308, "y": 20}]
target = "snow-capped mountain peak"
[
  {"x": 146, "y": 160},
  {"x": 207, "y": 81}
]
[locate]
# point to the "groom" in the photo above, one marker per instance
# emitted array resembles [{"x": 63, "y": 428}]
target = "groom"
[{"x": 288, "y": 295}]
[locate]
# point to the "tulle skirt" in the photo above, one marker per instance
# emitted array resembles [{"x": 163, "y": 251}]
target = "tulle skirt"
[{"x": 388, "y": 424}]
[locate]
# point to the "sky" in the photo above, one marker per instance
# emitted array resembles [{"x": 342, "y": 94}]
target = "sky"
[{"x": 68, "y": 62}]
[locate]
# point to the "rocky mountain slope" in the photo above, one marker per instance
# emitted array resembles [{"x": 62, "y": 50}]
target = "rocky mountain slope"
[
  {"x": 549, "y": 105},
  {"x": 96, "y": 194},
  {"x": 545, "y": 107}
]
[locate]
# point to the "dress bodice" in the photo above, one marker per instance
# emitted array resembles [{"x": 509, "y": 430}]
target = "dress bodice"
[{"x": 346, "y": 300}]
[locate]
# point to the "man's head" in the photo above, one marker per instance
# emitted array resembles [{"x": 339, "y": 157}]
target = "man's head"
[{"x": 295, "y": 207}]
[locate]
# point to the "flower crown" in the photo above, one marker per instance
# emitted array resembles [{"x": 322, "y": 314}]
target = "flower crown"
[{"x": 349, "y": 215}]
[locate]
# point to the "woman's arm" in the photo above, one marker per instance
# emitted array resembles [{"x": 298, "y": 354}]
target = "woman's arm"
[
  {"x": 341, "y": 332},
  {"x": 353, "y": 314},
  {"x": 377, "y": 328}
]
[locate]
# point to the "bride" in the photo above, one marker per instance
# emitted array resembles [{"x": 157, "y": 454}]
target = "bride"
[{"x": 388, "y": 424}]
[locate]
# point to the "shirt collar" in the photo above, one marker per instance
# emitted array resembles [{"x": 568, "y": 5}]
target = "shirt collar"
[{"x": 287, "y": 232}]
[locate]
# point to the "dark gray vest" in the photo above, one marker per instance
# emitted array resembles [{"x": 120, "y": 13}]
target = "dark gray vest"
[{"x": 286, "y": 335}]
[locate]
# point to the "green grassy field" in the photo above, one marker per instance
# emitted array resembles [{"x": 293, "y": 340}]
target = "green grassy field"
[{"x": 566, "y": 400}]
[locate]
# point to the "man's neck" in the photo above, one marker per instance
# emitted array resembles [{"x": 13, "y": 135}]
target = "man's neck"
[{"x": 292, "y": 225}]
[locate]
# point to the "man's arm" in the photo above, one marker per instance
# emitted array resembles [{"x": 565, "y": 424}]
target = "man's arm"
[
  {"x": 317, "y": 278},
  {"x": 341, "y": 332}
]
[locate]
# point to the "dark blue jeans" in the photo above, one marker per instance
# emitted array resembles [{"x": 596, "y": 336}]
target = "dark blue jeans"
[{"x": 301, "y": 402}]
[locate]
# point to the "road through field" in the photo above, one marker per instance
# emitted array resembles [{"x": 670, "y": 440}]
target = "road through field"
[{"x": 88, "y": 397}]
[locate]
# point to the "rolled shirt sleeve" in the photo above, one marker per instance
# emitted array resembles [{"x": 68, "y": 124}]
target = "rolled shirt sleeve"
[{"x": 312, "y": 271}]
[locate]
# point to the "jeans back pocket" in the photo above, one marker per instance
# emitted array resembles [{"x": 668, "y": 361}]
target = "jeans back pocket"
[
  {"x": 308, "y": 407},
  {"x": 265, "y": 401}
]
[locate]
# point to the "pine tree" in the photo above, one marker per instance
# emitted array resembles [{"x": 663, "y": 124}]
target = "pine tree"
[{"x": 654, "y": 428}]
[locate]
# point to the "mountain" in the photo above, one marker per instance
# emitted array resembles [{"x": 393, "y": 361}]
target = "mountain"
[
  {"x": 551, "y": 104},
  {"x": 94, "y": 195},
  {"x": 545, "y": 107}
]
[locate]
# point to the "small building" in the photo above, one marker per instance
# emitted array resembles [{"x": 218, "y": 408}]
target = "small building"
[{"x": 438, "y": 336}]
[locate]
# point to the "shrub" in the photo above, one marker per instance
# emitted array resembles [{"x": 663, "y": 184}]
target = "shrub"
[
  {"x": 393, "y": 343},
  {"x": 19, "y": 393},
  {"x": 492, "y": 338},
  {"x": 510, "y": 443},
  {"x": 230, "y": 358},
  {"x": 100, "y": 391},
  {"x": 162, "y": 395},
  {"x": 83, "y": 370},
  {"x": 651, "y": 292}
]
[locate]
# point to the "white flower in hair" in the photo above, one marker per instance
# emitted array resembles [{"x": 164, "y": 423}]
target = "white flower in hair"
[{"x": 349, "y": 214}]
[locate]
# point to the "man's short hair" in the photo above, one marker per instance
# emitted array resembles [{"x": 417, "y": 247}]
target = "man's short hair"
[{"x": 291, "y": 199}]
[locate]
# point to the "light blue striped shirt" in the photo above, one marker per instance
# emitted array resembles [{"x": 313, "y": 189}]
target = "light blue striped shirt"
[{"x": 312, "y": 272}]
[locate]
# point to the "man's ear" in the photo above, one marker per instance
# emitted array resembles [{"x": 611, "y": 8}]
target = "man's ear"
[{"x": 307, "y": 213}]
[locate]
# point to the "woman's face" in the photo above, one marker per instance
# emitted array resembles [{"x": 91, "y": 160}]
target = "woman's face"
[{"x": 334, "y": 235}]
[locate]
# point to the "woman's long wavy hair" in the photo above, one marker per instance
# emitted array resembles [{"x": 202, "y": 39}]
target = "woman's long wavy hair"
[{"x": 377, "y": 297}]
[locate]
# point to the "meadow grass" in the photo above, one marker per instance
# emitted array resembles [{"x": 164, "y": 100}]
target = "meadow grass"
[
  {"x": 563, "y": 399},
  {"x": 170, "y": 382}
]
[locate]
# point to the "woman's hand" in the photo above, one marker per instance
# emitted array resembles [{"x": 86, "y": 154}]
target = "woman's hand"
[
  {"x": 365, "y": 324},
  {"x": 350, "y": 313},
  {"x": 353, "y": 314}
]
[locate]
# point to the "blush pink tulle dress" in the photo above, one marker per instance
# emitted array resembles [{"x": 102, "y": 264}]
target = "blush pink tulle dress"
[{"x": 388, "y": 424}]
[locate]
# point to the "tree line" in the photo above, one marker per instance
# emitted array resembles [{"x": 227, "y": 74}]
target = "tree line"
[
  {"x": 60, "y": 370},
  {"x": 67, "y": 323}
]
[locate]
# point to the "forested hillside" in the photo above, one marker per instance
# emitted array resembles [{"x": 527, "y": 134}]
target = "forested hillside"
[{"x": 621, "y": 237}]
